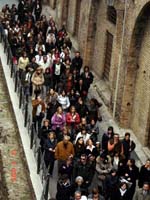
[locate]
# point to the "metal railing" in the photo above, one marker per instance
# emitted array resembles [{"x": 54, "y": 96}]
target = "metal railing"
[{"x": 25, "y": 105}]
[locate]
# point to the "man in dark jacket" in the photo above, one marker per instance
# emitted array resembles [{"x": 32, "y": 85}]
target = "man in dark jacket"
[
  {"x": 144, "y": 175},
  {"x": 83, "y": 168},
  {"x": 77, "y": 62}
]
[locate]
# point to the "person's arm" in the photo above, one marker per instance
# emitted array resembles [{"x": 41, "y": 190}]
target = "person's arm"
[
  {"x": 77, "y": 119},
  {"x": 98, "y": 169},
  {"x": 68, "y": 118},
  {"x": 135, "y": 197},
  {"x": 57, "y": 152},
  {"x": 68, "y": 103}
]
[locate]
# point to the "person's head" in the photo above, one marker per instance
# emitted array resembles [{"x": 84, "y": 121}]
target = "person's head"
[
  {"x": 91, "y": 157},
  {"x": 24, "y": 54},
  {"x": 127, "y": 136},
  {"x": 123, "y": 186},
  {"x": 146, "y": 186},
  {"x": 39, "y": 70},
  {"x": 147, "y": 164},
  {"x": 66, "y": 139},
  {"x": 51, "y": 91},
  {"x": 67, "y": 62},
  {"x": 69, "y": 160},
  {"x": 47, "y": 70},
  {"x": 131, "y": 162},
  {"x": 45, "y": 58},
  {"x": 116, "y": 137},
  {"x": 64, "y": 178},
  {"x": 79, "y": 180},
  {"x": 80, "y": 141},
  {"x": 83, "y": 121},
  {"x": 58, "y": 60},
  {"x": 83, "y": 158},
  {"x": 86, "y": 69},
  {"x": 33, "y": 60},
  {"x": 77, "y": 195},
  {"x": 116, "y": 154},
  {"x": 72, "y": 109},
  {"x": 77, "y": 54},
  {"x": 93, "y": 122},
  {"x": 110, "y": 130},
  {"x": 103, "y": 157},
  {"x": 80, "y": 82},
  {"x": 46, "y": 122},
  {"x": 59, "y": 110},
  {"x": 95, "y": 194},
  {"x": 65, "y": 130},
  {"x": 83, "y": 131},
  {"x": 89, "y": 142},
  {"x": 63, "y": 93},
  {"x": 40, "y": 52},
  {"x": 113, "y": 172},
  {"x": 51, "y": 135},
  {"x": 72, "y": 92}
]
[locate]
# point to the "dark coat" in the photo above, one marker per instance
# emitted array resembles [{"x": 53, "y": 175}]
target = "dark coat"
[
  {"x": 49, "y": 155},
  {"x": 64, "y": 191},
  {"x": 77, "y": 63},
  {"x": 84, "y": 171},
  {"x": 117, "y": 195},
  {"x": 82, "y": 109},
  {"x": 87, "y": 80},
  {"x": 128, "y": 147},
  {"x": 64, "y": 169},
  {"x": 105, "y": 139},
  {"x": 48, "y": 79},
  {"x": 144, "y": 176}
]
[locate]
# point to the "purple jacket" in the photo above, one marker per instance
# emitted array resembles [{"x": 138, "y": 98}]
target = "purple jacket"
[{"x": 58, "y": 121}]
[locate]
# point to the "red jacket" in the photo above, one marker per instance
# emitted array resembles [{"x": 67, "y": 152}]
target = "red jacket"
[{"x": 72, "y": 119}]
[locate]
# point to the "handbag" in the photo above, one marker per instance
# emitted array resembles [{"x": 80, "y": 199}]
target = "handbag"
[{"x": 42, "y": 115}]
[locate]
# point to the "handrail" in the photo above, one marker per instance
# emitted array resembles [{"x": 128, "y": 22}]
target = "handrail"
[{"x": 24, "y": 104}]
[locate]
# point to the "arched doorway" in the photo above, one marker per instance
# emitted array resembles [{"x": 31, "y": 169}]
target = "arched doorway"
[{"x": 136, "y": 98}]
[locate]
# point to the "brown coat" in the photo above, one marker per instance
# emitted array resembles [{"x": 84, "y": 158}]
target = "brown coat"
[
  {"x": 35, "y": 104},
  {"x": 62, "y": 153}
]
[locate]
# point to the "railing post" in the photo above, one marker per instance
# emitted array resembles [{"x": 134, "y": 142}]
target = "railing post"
[
  {"x": 32, "y": 136},
  {"x": 26, "y": 114},
  {"x": 8, "y": 54},
  {"x": 12, "y": 68},
  {"x": 47, "y": 187},
  {"x": 38, "y": 160},
  {"x": 20, "y": 97},
  {"x": 16, "y": 80},
  {"x": 4, "y": 43}
]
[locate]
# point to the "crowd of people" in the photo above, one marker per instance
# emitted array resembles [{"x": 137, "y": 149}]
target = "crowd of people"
[{"x": 66, "y": 120}]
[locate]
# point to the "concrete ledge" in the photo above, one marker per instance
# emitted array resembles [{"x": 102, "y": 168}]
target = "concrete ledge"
[{"x": 35, "y": 179}]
